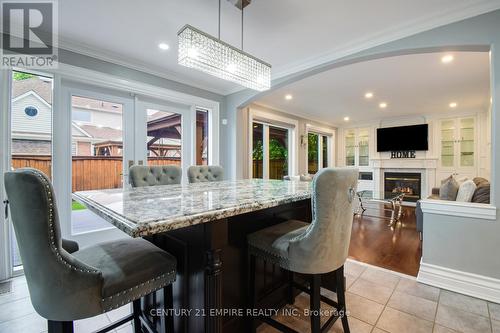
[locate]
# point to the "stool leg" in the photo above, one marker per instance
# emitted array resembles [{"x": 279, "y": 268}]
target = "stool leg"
[
  {"x": 136, "y": 305},
  {"x": 60, "y": 326},
  {"x": 167, "y": 322},
  {"x": 291, "y": 296},
  {"x": 251, "y": 291},
  {"x": 315, "y": 305},
  {"x": 341, "y": 297}
]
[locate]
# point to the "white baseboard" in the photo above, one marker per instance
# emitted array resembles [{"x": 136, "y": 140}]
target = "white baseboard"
[{"x": 461, "y": 282}]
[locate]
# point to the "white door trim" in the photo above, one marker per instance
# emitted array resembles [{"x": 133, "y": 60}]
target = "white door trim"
[{"x": 5, "y": 230}]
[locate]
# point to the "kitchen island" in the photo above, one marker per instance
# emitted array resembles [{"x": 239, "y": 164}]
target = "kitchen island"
[{"x": 204, "y": 225}]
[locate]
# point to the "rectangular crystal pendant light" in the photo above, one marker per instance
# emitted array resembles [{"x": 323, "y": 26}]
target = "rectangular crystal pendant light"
[{"x": 208, "y": 54}]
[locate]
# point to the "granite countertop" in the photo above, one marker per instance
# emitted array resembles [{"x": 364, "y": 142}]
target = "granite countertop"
[{"x": 149, "y": 210}]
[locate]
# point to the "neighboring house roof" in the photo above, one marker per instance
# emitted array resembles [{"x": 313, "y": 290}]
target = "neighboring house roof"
[
  {"x": 41, "y": 87},
  {"x": 104, "y": 133},
  {"x": 93, "y": 104}
]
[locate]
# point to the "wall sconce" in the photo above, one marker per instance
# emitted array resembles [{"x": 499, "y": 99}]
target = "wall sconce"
[{"x": 303, "y": 140}]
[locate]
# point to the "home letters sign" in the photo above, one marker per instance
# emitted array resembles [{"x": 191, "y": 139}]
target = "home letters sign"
[{"x": 403, "y": 154}]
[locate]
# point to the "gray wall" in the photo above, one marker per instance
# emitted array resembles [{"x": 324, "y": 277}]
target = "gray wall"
[{"x": 464, "y": 244}]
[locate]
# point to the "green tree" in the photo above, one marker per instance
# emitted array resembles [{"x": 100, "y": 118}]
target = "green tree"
[
  {"x": 276, "y": 150},
  {"x": 18, "y": 76},
  {"x": 312, "y": 147}
]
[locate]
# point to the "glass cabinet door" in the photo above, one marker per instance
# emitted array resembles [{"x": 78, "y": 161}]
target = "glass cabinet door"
[
  {"x": 447, "y": 143},
  {"x": 364, "y": 155},
  {"x": 350, "y": 147},
  {"x": 467, "y": 142}
]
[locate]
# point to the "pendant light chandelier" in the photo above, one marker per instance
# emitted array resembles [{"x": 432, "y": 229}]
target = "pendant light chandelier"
[{"x": 211, "y": 55}]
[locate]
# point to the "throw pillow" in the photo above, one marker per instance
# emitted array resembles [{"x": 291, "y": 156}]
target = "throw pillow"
[
  {"x": 466, "y": 191},
  {"x": 479, "y": 181},
  {"x": 482, "y": 194},
  {"x": 449, "y": 189}
]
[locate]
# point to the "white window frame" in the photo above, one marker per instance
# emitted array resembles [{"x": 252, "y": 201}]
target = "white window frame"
[
  {"x": 330, "y": 135},
  {"x": 270, "y": 119}
]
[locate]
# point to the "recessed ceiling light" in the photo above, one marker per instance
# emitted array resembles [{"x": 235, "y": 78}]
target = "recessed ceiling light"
[
  {"x": 163, "y": 46},
  {"x": 382, "y": 105},
  {"x": 453, "y": 105},
  {"x": 447, "y": 59},
  {"x": 346, "y": 118},
  {"x": 369, "y": 95},
  {"x": 288, "y": 97}
]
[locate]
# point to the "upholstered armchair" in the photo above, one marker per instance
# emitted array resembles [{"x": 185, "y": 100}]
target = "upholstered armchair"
[{"x": 67, "y": 283}]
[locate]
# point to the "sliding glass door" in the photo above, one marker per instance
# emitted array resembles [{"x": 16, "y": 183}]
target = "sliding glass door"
[
  {"x": 318, "y": 152},
  {"x": 270, "y": 151}
]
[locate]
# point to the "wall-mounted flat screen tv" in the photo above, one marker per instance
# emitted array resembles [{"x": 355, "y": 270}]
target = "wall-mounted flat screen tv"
[{"x": 413, "y": 137}]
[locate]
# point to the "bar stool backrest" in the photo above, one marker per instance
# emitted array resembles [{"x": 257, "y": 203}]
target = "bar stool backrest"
[
  {"x": 144, "y": 175},
  {"x": 324, "y": 246},
  {"x": 60, "y": 285},
  {"x": 205, "y": 173}
]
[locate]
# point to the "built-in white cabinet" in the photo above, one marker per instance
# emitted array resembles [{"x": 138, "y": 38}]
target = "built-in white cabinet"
[
  {"x": 458, "y": 147},
  {"x": 357, "y": 153},
  {"x": 357, "y": 147}
]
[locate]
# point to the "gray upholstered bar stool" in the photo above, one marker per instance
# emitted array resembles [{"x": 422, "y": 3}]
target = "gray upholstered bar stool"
[
  {"x": 205, "y": 173},
  {"x": 311, "y": 249},
  {"x": 67, "y": 283},
  {"x": 144, "y": 175}
]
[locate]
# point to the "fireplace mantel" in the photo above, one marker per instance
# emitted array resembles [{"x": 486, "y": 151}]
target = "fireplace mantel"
[{"x": 405, "y": 163}]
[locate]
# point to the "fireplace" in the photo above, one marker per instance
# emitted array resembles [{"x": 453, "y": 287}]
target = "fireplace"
[{"x": 404, "y": 182}]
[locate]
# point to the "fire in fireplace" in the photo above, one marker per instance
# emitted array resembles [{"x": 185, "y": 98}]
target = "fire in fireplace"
[{"x": 403, "y": 182}]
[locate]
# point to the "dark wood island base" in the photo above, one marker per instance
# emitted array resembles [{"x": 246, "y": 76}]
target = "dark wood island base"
[{"x": 212, "y": 280}]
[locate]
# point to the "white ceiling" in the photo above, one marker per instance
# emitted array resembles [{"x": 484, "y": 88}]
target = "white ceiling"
[
  {"x": 418, "y": 84},
  {"x": 289, "y": 34}
]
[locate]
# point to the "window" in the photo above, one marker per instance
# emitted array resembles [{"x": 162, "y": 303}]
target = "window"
[
  {"x": 164, "y": 137},
  {"x": 31, "y": 143},
  {"x": 97, "y": 156},
  {"x": 258, "y": 151},
  {"x": 31, "y": 111},
  {"x": 278, "y": 152},
  {"x": 317, "y": 152},
  {"x": 312, "y": 153},
  {"x": 202, "y": 137},
  {"x": 270, "y": 151}
]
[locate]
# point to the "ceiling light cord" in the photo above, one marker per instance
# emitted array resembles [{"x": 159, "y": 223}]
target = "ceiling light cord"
[
  {"x": 219, "y": 21},
  {"x": 242, "y": 27}
]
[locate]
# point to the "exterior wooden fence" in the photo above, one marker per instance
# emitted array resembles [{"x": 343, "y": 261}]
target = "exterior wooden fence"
[
  {"x": 89, "y": 172},
  {"x": 276, "y": 169}
]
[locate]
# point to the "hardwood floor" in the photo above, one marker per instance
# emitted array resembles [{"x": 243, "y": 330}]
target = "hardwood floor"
[{"x": 397, "y": 248}]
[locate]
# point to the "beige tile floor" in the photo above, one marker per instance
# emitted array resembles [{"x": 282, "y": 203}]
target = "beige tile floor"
[{"x": 379, "y": 301}]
